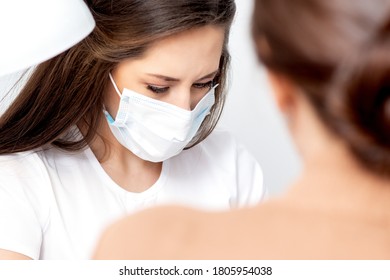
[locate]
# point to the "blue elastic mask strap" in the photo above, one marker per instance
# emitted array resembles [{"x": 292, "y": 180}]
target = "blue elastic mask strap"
[{"x": 108, "y": 117}]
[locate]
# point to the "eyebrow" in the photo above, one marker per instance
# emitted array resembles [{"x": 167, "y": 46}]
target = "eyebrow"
[{"x": 170, "y": 79}]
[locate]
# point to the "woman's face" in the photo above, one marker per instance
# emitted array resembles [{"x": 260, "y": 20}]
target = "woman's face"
[{"x": 178, "y": 69}]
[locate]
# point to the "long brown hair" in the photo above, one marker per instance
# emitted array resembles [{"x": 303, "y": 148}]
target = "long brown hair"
[
  {"x": 338, "y": 53},
  {"x": 68, "y": 89}
]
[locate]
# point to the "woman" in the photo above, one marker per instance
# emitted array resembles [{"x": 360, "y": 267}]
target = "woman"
[
  {"x": 98, "y": 131},
  {"x": 329, "y": 64}
]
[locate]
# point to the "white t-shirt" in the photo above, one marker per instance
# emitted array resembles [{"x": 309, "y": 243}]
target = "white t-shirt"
[{"x": 55, "y": 204}]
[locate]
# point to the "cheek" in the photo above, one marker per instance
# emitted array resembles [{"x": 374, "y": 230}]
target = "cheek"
[
  {"x": 195, "y": 100},
  {"x": 196, "y": 96}
]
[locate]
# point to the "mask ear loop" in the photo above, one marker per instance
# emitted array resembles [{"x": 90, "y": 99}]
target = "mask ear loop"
[
  {"x": 109, "y": 117},
  {"x": 114, "y": 84}
]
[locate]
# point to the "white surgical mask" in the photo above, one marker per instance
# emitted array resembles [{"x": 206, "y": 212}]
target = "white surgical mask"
[{"x": 155, "y": 130}]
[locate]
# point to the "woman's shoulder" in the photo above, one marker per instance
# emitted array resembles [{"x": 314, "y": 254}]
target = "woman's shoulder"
[
  {"x": 184, "y": 233},
  {"x": 219, "y": 151},
  {"x": 223, "y": 157},
  {"x": 272, "y": 230},
  {"x": 220, "y": 144},
  {"x": 29, "y": 171},
  {"x": 222, "y": 147},
  {"x": 116, "y": 240},
  {"x": 23, "y": 171},
  {"x": 19, "y": 163},
  {"x": 24, "y": 201},
  {"x": 220, "y": 138}
]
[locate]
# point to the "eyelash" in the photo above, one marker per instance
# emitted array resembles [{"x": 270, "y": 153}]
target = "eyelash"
[
  {"x": 157, "y": 89},
  {"x": 164, "y": 89}
]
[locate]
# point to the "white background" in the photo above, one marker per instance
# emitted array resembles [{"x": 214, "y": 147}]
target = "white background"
[{"x": 250, "y": 113}]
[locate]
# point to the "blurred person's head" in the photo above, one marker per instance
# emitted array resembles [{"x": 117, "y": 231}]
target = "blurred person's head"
[{"x": 335, "y": 56}]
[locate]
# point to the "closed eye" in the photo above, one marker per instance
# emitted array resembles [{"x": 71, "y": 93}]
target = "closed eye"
[
  {"x": 209, "y": 84},
  {"x": 156, "y": 89}
]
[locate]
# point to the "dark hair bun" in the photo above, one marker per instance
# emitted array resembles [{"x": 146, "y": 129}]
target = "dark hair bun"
[{"x": 363, "y": 106}]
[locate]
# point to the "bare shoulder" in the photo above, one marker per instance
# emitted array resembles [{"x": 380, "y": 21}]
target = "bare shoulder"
[
  {"x": 155, "y": 233},
  {"x": 277, "y": 229},
  {"x": 182, "y": 233},
  {"x": 10, "y": 255}
]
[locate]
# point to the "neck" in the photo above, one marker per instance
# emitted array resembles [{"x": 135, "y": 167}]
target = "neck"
[{"x": 329, "y": 168}]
